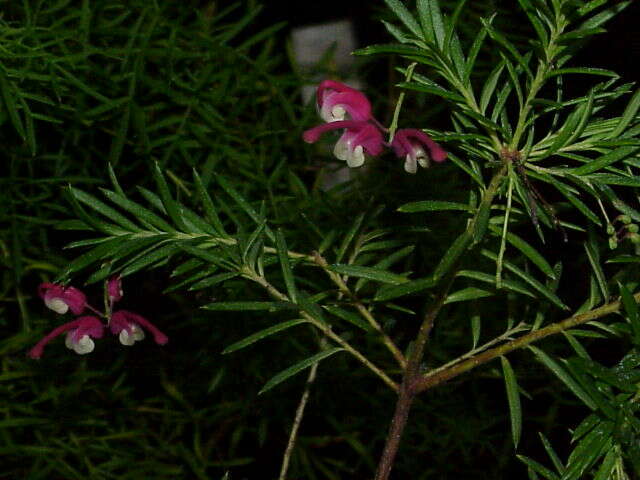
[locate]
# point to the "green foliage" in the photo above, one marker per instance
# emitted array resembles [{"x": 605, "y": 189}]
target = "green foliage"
[{"x": 193, "y": 118}]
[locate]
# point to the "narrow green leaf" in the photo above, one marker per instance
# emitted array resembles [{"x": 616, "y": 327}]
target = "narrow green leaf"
[
  {"x": 491, "y": 279},
  {"x": 476, "y": 325},
  {"x": 466, "y": 294},
  {"x": 584, "y": 71},
  {"x": 628, "y": 116},
  {"x": 552, "y": 454},
  {"x": 532, "y": 14},
  {"x": 473, "y": 52},
  {"x": 298, "y": 367},
  {"x": 451, "y": 25},
  {"x": 94, "y": 255},
  {"x": 604, "y": 161},
  {"x": 81, "y": 85},
  {"x": 348, "y": 316},
  {"x": 490, "y": 86},
  {"x": 207, "y": 205},
  {"x": 482, "y": 222},
  {"x": 287, "y": 273},
  {"x": 538, "y": 468},
  {"x": 213, "y": 280},
  {"x": 588, "y": 452},
  {"x": 262, "y": 334},
  {"x": 631, "y": 309},
  {"x": 114, "y": 181},
  {"x": 9, "y": 96},
  {"x": 170, "y": 205},
  {"x": 594, "y": 259},
  {"x": 386, "y": 262},
  {"x": 530, "y": 252},
  {"x": 431, "y": 21},
  {"x": 348, "y": 238},
  {"x": 104, "y": 209},
  {"x": 405, "y": 16},
  {"x": 513, "y": 396},
  {"x": 208, "y": 256},
  {"x": 432, "y": 89},
  {"x": 502, "y": 40},
  {"x": 138, "y": 210},
  {"x": 611, "y": 179},
  {"x": 432, "y": 205},
  {"x": 243, "y": 204},
  {"x": 369, "y": 273},
  {"x": 414, "y": 286},
  {"x": 604, "y": 16},
  {"x": 119, "y": 139},
  {"x": 564, "y": 376},
  {"x": 605, "y": 472},
  {"x": 451, "y": 256},
  {"x": 248, "y": 306}
]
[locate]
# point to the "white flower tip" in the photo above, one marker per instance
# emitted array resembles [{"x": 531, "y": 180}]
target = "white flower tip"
[
  {"x": 410, "y": 165},
  {"x": 424, "y": 162},
  {"x": 84, "y": 345},
  {"x": 338, "y": 113},
  {"x": 57, "y": 305},
  {"x": 129, "y": 339},
  {"x": 341, "y": 150},
  {"x": 423, "y": 158},
  {"x": 356, "y": 159},
  {"x": 68, "y": 341}
]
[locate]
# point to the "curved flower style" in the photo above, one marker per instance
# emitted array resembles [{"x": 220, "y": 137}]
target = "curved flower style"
[
  {"x": 337, "y": 101},
  {"x": 127, "y": 325},
  {"x": 410, "y": 143},
  {"x": 79, "y": 334},
  {"x": 114, "y": 289},
  {"x": 359, "y": 137},
  {"x": 61, "y": 299}
]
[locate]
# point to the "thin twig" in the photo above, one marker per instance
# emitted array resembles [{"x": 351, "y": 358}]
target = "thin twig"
[
  {"x": 362, "y": 309},
  {"x": 323, "y": 327},
  {"x": 297, "y": 421}
]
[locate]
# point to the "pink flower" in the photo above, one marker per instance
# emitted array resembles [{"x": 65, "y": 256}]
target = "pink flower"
[
  {"x": 61, "y": 299},
  {"x": 114, "y": 289},
  {"x": 337, "y": 101},
  {"x": 359, "y": 137},
  {"x": 127, "y": 325},
  {"x": 411, "y": 144},
  {"x": 79, "y": 334}
]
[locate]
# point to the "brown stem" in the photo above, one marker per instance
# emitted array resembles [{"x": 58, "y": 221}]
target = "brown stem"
[
  {"x": 412, "y": 371},
  {"x": 407, "y": 389},
  {"x": 399, "y": 421}
]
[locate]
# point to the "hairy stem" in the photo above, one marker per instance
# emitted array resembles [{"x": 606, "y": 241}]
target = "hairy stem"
[{"x": 440, "y": 376}]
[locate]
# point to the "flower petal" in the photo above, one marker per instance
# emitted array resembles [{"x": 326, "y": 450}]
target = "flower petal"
[
  {"x": 356, "y": 159},
  {"x": 410, "y": 164},
  {"x": 351, "y": 102},
  {"x": 84, "y": 345},
  {"x": 55, "y": 296},
  {"x": 57, "y": 305}
]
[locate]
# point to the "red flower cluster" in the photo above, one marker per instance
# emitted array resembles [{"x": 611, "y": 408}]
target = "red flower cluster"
[
  {"x": 347, "y": 109},
  {"x": 81, "y": 331}
]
